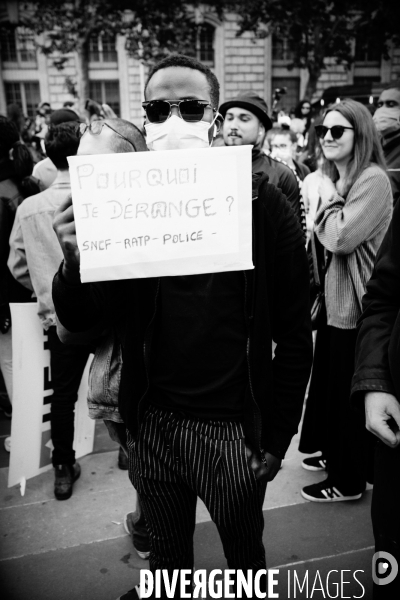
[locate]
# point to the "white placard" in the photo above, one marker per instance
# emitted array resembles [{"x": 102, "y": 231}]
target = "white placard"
[
  {"x": 30, "y": 426},
  {"x": 150, "y": 214}
]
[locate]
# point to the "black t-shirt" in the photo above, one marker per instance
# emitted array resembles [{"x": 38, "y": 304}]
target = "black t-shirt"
[{"x": 199, "y": 356}]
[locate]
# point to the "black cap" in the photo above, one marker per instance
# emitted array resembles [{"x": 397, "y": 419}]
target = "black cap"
[
  {"x": 64, "y": 115},
  {"x": 252, "y": 102}
]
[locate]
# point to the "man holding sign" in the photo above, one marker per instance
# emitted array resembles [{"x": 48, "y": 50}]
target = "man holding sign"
[{"x": 208, "y": 412}]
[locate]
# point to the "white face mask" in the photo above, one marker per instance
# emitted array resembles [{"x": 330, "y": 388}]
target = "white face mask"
[
  {"x": 386, "y": 118},
  {"x": 177, "y": 134}
]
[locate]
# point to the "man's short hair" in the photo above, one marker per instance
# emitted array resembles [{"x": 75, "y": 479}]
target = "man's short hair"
[
  {"x": 128, "y": 130},
  {"x": 393, "y": 85},
  {"x": 62, "y": 141},
  {"x": 180, "y": 60}
]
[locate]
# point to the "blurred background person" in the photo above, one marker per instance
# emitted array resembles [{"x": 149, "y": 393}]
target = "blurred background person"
[
  {"x": 35, "y": 256},
  {"x": 283, "y": 144},
  {"x": 303, "y": 112},
  {"x": 45, "y": 170},
  {"x": 298, "y": 127},
  {"x": 387, "y": 121},
  {"x": 15, "y": 114},
  {"x": 356, "y": 206},
  {"x": 41, "y": 124},
  {"x": 16, "y": 184}
]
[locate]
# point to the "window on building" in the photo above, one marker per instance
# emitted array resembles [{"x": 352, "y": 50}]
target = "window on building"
[
  {"x": 106, "y": 92},
  {"x": 205, "y": 44},
  {"x": 24, "y": 93},
  {"x": 291, "y": 98},
  {"x": 18, "y": 46},
  {"x": 26, "y": 46},
  {"x": 281, "y": 48},
  {"x": 366, "y": 50},
  {"x": 102, "y": 49},
  {"x": 8, "y": 45}
]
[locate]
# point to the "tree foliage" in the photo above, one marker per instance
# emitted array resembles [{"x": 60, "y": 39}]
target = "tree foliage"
[
  {"x": 152, "y": 29},
  {"x": 322, "y": 28}
]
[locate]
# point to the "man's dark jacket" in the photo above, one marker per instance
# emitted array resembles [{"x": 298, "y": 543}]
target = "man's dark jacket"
[
  {"x": 391, "y": 150},
  {"x": 280, "y": 175},
  {"x": 276, "y": 308},
  {"x": 378, "y": 342}
]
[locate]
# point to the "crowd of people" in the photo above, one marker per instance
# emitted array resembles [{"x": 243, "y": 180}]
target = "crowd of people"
[{"x": 213, "y": 369}]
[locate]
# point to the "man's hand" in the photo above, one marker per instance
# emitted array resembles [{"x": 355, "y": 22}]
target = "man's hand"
[
  {"x": 263, "y": 470},
  {"x": 382, "y": 412},
  {"x": 326, "y": 189},
  {"x": 64, "y": 226}
]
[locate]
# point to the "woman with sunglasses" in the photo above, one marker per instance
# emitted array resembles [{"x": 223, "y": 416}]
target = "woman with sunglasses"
[{"x": 354, "y": 213}]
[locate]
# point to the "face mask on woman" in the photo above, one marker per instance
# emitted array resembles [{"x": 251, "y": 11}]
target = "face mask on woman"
[{"x": 177, "y": 134}]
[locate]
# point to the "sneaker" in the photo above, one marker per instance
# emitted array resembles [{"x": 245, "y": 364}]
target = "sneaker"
[
  {"x": 123, "y": 463},
  {"x": 314, "y": 463},
  {"x": 141, "y": 546},
  {"x": 325, "y": 492},
  {"x": 65, "y": 476},
  {"x": 133, "y": 594},
  {"x": 7, "y": 444}
]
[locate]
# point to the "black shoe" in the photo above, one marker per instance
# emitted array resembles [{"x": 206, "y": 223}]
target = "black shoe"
[
  {"x": 140, "y": 541},
  {"x": 66, "y": 475},
  {"x": 314, "y": 463},
  {"x": 123, "y": 463},
  {"x": 324, "y": 491}
]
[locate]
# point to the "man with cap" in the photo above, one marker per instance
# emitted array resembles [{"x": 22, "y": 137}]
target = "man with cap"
[
  {"x": 246, "y": 122},
  {"x": 45, "y": 170}
]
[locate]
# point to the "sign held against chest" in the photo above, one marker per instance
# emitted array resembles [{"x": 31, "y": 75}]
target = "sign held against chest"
[{"x": 149, "y": 214}]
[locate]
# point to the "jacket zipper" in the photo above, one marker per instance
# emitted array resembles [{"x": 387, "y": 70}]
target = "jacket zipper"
[
  {"x": 256, "y": 410},
  {"x": 144, "y": 350}
]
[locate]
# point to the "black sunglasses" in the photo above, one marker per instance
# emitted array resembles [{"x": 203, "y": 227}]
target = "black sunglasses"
[
  {"x": 336, "y": 131},
  {"x": 192, "y": 111},
  {"x": 95, "y": 128}
]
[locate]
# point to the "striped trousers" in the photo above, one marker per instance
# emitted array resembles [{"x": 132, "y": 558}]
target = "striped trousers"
[{"x": 177, "y": 459}]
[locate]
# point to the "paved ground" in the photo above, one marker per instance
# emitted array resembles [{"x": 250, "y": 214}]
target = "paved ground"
[{"x": 78, "y": 549}]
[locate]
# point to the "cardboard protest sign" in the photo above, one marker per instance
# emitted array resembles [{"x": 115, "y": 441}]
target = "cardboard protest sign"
[
  {"x": 177, "y": 212},
  {"x": 30, "y": 426}
]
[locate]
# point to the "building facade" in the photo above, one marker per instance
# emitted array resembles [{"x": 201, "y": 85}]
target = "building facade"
[{"x": 27, "y": 77}]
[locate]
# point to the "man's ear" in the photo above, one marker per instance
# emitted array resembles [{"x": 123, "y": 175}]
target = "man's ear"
[
  {"x": 218, "y": 124},
  {"x": 261, "y": 130}
]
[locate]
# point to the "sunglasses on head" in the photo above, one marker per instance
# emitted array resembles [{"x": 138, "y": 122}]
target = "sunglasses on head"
[
  {"x": 192, "y": 111},
  {"x": 336, "y": 131},
  {"x": 95, "y": 128}
]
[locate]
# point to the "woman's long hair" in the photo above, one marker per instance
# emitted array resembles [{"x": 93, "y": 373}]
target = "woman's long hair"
[
  {"x": 313, "y": 151},
  {"x": 19, "y": 156},
  {"x": 367, "y": 146}
]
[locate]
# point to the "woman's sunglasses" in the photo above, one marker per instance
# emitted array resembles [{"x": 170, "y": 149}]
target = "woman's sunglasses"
[
  {"x": 96, "y": 127},
  {"x": 336, "y": 131},
  {"x": 192, "y": 111}
]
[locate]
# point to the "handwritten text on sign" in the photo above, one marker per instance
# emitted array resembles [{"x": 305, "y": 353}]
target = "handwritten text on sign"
[{"x": 150, "y": 214}]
